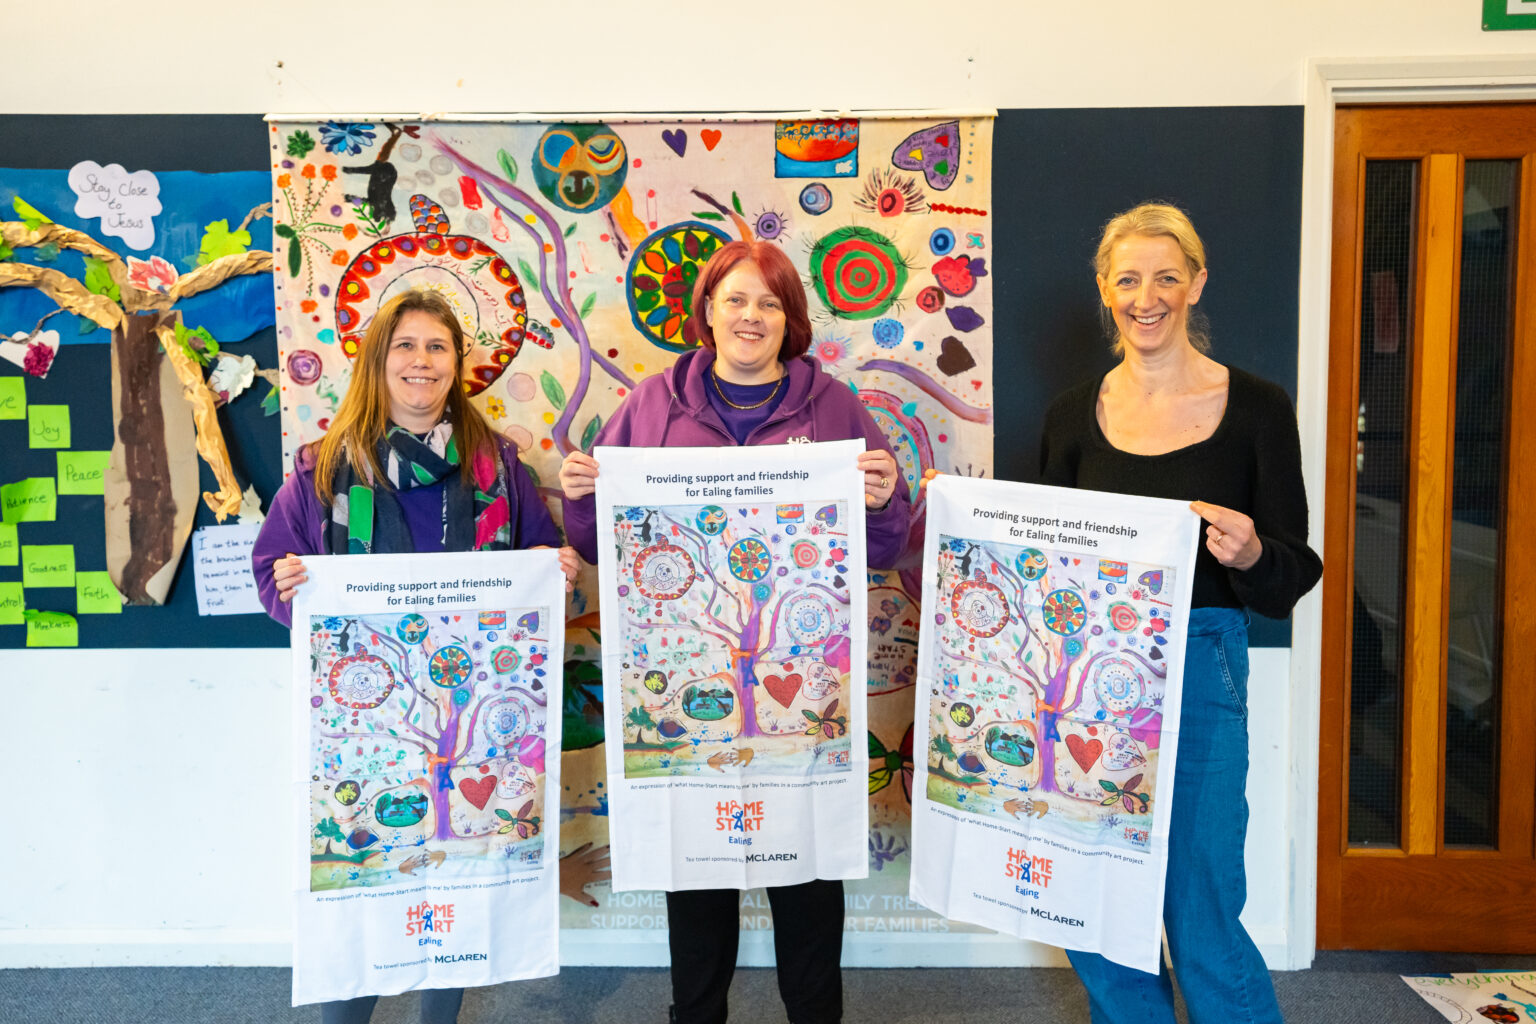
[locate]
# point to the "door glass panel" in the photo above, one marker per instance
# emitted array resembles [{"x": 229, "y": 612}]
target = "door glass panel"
[
  {"x": 1477, "y": 503},
  {"x": 1381, "y": 452}
]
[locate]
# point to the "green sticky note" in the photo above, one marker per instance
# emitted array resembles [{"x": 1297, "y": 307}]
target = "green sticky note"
[
  {"x": 51, "y": 629},
  {"x": 47, "y": 565},
  {"x": 83, "y": 472},
  {"x": 28, "y": 501},
  {"x": 13, "y": 398},
  {"x": 10, "y": 552},
  {"x": 95, "y": 594},
  {"x": 48, "y": 426},
  {"x": 11, "y": 604}
]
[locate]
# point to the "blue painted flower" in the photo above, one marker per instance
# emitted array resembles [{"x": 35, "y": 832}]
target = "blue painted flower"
[
  {"x": 634, "y": 515},
  {"x": 346, "y": 138},
  {"x": 956, "y": 545}
]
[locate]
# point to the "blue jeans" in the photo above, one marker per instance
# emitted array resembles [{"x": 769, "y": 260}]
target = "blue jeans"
[{"x": 1221, "y": 975}]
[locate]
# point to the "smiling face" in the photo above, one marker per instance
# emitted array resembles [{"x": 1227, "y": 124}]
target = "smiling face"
[
  {"x": 1150, "y": 290},
  {"x": 420, "y": 369},
  {"x": 746, "y": 321}
]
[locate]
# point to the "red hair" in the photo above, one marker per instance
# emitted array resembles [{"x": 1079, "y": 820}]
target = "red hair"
[{"x": 778, "y": 274}]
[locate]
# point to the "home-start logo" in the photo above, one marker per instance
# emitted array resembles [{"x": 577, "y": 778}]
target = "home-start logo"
[
  {"x": 1031, "y": 871},
  {"x": 731, "y": 816},
  {"x": 425, "y": 918}
]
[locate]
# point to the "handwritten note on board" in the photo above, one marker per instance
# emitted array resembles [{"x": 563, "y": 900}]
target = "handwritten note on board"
[
  {"x": 11, "y": 604},
  {"x": 10, "y": 549},
  {"x": 28, "y": 501},
  {"x": 221, "y": 563},
  {"x": 95, "y": 594},
  {"x": 83, "y": 472},
  {"x": 48, "y": 565},
  {"x": 51, "y": 629},
  {"x": 48, "y": 426},
  {"x": 13, "y": 398}
]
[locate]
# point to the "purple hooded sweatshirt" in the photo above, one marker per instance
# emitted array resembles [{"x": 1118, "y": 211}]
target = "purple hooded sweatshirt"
[
  {"x": 296, "y": 521},
  {"x": 672, "y": 410}
]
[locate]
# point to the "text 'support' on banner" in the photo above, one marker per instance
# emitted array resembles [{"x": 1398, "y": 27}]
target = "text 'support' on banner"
[
  {"x": 426, "y": 771},
  {"x": 1050, "y": 669},
  {"x": 734, "y": 664}
]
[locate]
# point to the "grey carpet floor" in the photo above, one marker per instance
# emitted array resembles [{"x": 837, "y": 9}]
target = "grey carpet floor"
[{"x": 1340, "y": 988}]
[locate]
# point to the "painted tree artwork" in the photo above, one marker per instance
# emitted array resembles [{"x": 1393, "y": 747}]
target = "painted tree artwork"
[
  {"x": 736, "y": 639},
  {"x": 1052, "y": 668},
  {"x": 427, "y": 739}
]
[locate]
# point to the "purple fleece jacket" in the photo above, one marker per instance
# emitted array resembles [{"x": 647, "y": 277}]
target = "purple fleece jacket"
[
  {"x": 296, "y": 521},
  {"x": 671, "y": 410}
]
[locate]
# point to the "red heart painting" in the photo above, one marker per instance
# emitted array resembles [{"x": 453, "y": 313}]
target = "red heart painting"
[
  {"x": 783, "y": 688},
  {"x": 478, "y": 791},
  {"x": 710, "y": 137},
  {"x": 1085, "y": 753}
]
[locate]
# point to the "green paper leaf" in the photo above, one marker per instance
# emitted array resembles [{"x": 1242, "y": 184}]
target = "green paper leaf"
[
  {"x": 196, "y": 342},
  {"x": 508, "y": 165},
  {"x": 85, "y": 325},
  {"x": 269, "y": 404},
  {"x": 98, "y": 280},
  {"x": 6, "y": 252},
  {"x": 736, "y": 202},
  {"x": 300, "y": 143},
  {"x": 589, "y": 434},
  {"x": 552, "y": 390},
  {"x": 587, "y": 305},
  {"x": 47, "y": 252},
  {"x": 30, "y": 215},
  {"x": 218, "y": 241},
  {"x": 530, "y": 279}
]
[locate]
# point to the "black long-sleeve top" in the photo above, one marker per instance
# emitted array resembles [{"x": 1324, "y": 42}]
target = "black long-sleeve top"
[{"x": 1251, "y": 464}]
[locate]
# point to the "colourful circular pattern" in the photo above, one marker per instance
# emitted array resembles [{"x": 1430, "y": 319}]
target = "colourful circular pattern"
[
  {"x": 1123, "y": 617},
  {"x": 749, "y": 559},
  {"x": 1031, "y": 563},
  {"x": 816, "y": 199},
  {"x": 857, "y": 272},
  {"x": 962, "y": 714},
  {"x": 809, "y": 618},
  {"x": 579, "y": 167},
  {"x": 506, "y": 721},
  {"x": 659, "y": 282},
  {"x": 904, "y": 431},
  {"x": 1118, "y": 686},
  {"x": 942, "y": 241},
  {"x": 303, "y": 367},
  {"x": 711, "y": 519},
  {"x": 411, "y": 629},
  {"x": 664, "y": 572},
  {"x": 506, "y": 659},
  {"x": 930, "y": 300},
  {"x": 1064, "y": 612},
  {"x": 450, "y": 666},
  {"x": 980, "y": 608},
  {"x": 805, "y": 554},
  {"x": 769, "y": 225},
  {"x": 361, "y": 681}
]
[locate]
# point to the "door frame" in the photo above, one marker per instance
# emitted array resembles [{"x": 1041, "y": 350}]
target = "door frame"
[{"x": 1329, "y": 82}]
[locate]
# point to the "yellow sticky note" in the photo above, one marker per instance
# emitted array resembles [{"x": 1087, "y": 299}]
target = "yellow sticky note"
[
  {"x": 13, "y": 398},
  {"x": 83, "y": 472},
  {"x": 51, "y": 629},
  {"x": 95, "y": 594},
  {"x": 47, "y": 565},
  {"x": 10, "y": 552},
  {"x": 28, "y": 501},
  {"x": 11, "y": 604},
  {"x": 48, "y": 426}
]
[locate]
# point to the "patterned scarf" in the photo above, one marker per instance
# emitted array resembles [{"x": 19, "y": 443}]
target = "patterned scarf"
[{"x": 368, "y": 520}]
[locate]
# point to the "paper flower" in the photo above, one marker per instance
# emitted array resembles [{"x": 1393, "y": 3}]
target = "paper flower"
[
  {"x": 34, "y": 353},
  {"x": 152, "y": 275},
  {"x": 231, "y": 376},
  {"x": 346, "y": 138},
  {"x": 250, "y": 512}
]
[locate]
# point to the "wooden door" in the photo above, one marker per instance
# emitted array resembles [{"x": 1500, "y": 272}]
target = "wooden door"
[{"x": 1428, "y": 752}]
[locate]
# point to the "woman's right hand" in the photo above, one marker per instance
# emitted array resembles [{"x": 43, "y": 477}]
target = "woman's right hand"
[
  {"x": 287, "y": 574},
  {"x": 578, "y": 475}
]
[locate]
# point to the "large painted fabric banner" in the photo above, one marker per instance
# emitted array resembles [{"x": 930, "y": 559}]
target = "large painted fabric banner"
[
  {"x": 1050, "y": 672},
  {"x": 425, "y": 785},
  {"x": 570, "y": 249},
  {"x": 733, "y": 678}
]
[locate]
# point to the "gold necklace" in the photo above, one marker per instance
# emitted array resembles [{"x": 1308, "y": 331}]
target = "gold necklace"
[{"x": 716, "y": 378}]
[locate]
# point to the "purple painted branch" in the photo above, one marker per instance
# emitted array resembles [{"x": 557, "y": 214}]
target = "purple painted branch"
[{"x": 930, "y": 387}]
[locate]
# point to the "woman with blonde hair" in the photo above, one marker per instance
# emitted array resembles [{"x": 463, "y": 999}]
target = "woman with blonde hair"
[
  {"x": 1168, "y": 421},
  {"x": 408, "y": 465}
]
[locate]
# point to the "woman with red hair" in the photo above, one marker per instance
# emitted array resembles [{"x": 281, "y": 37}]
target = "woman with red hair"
[{"x": 750, "y": 383}]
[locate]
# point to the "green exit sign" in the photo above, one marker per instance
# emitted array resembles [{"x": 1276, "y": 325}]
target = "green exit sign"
[{"x": 1504, "y": 15}]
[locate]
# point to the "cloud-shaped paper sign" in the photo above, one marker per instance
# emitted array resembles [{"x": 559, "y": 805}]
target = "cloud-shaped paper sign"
[{"x": 126, "y": 203}]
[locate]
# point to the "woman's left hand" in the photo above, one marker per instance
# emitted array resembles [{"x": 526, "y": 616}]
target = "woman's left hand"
[
  {"x": 879, "y": 469},
  {"x": 1230, "y": 535}
]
